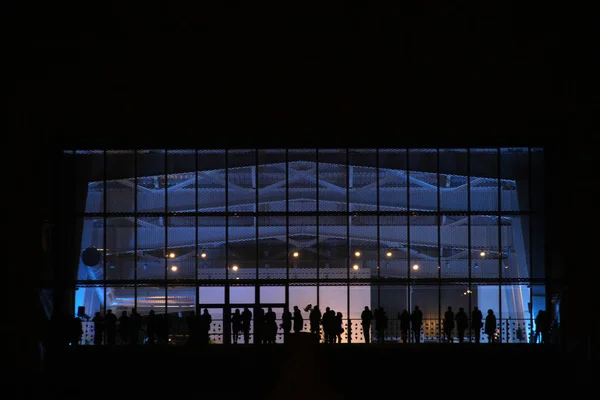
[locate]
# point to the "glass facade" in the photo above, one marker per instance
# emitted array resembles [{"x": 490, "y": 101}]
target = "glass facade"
[{"x": 178, "y": 231}]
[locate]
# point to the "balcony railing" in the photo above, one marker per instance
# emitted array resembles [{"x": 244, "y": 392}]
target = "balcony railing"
[{"x": 507, "y": 331}]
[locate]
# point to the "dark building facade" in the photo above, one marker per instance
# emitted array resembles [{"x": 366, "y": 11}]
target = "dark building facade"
[
  {"x": 180, "y": 230},
  {"x": 422, "y": 140}
]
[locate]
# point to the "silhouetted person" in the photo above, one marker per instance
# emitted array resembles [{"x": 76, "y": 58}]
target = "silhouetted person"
[
  {"x": 542, "y": 326},
  {"x": 416, "y": 321},
  {"x": 365, "y": 321},
  {"x": 99, "y": 325},
  {"x": 476, "y": 323},
  {"x": 162, "y": 328},
  {"x": 205, "y": 323},
  {"x": 462, "y": 322},
  {"x": 75, "y": 331},
  {"x": 404, "y": 318},
  {"x": 286, "y": 323},
  {"x": 259, "y": 326},
  {"x": 236, "y": 325},
  {"x": 246, "y": 321},
  {"x": 270, "y": 326},
  {"x": 315, "y": 320},
  {"x": 124, "y": 328},
  {"x": 490, "y": 326},
  {"x": 152, "y": 327},
  {"x": 298, "y": 320},
  {"x": 111, "y": 327},
  {"x": 449, "y": 324},
  {"x": 192, "y": 322},
  {"x": 135, "y": 326},
  {"x": 380, "y": 324},
  {"x": 339, "y": 327},
  {"x": 326, "y": 322}
]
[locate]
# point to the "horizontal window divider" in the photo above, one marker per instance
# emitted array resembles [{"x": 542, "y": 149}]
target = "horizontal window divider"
[{"x": 309, "y": 282}]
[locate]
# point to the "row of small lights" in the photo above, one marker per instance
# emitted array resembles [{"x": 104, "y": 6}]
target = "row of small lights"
[{"x": 297, "y": 254}]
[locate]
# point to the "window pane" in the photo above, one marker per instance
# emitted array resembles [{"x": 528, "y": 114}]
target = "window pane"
[
  {"x": 393, "y": 186},
  {"x": 363, "y": 180},
  {"x": 211, "y": 247},
  {"x": 333, "y": 247},
  {"x": 89, "y": 165},
  {"x": 151, "y": 189},
  {"x": 303, "y": 245},
  {"x": 272, "y": 248},
  {"x": 151, "y": 248},
  {"x": 120, "y": 254},
  {"x": 181, "y": 181},
  {"x": 211, "y": 180},
  {"x": 393, "y": 236},
  {"x": 423, "y": 247},
  {"x": 120, "y": 181},
  {"x": 302, "y": 180},
  {"x": 91, "y": 261},
  {"x": 241, "y": 233},
  {"x": 422, "y": 164},
  {"x": 241, "y": 180},
  {"x": 484, "y": 179},
  {"x": 485, "y": 247},
  {"x": 454, "y": 171},
  {"x": 514, "y": 179},
  {"x": 454, "y": 236},
  {"x": 332, "y": 182},
  {"x": 181, "y": 241},
  {"x": 272, "y": 180},
  {"x": 363, "y": 245}
]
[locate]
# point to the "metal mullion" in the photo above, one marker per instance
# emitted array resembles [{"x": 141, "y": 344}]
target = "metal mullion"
[
  {"x": 469, "y": 239},
  {"x": 499, "y": 222},
  {"x": 256, "y": 215},
  {"x": 408, "y": 275},
  {"x": 226, "y": 306},
  {"x": 135, "y": 225},
  {"x": 439, "y": 219},
  {"x": 166, "y": 224},
  {"x": 105, "y": 235},
  {"x": 196, "y": 222},
  {"x": 317, "y": 222},
  {"x": 226, "y": 214},
  {"x": 378, "y": 206},
  {"x": 348, "y": 219},
  {"x": 530, "y": 234},
  {"x": 287, "y": 227}
]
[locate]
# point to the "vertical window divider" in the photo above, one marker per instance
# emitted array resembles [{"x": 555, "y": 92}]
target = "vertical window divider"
[
  {"x": 227, "y": 217},
  {"x": 256, "y": 214},
  {"x": 287, "y": 227},
  {"x": 349, "y": 218},
  {"x": 166, "y": 224},
  {"x": 469, "y": 239},
  {"x": 135, "y": 225},
  {"x": 438, "y": 220},
  {"x": 530, "y": 234},
  {"x": 378, "y": 222},
  {"x": 407, "y": 247},
  {"x": 105, "y": 234},
  {"x": 196, "y": 227},
  {"x": 317, "y": 208},
  {"x": 499, "y": 242}
]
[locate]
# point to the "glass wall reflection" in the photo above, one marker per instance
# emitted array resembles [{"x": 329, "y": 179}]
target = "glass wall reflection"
[{"x": 179, "y": 231}]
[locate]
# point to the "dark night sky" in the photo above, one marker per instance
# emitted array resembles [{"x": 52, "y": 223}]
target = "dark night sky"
[{"x": 117, "y": 69}]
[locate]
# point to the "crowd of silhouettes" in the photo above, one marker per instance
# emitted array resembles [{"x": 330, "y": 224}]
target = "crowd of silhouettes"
[{"x": 128, "y": 328}]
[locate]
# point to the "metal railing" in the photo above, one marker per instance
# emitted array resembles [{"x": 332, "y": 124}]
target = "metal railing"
[{"x": 507, "y": 331}]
